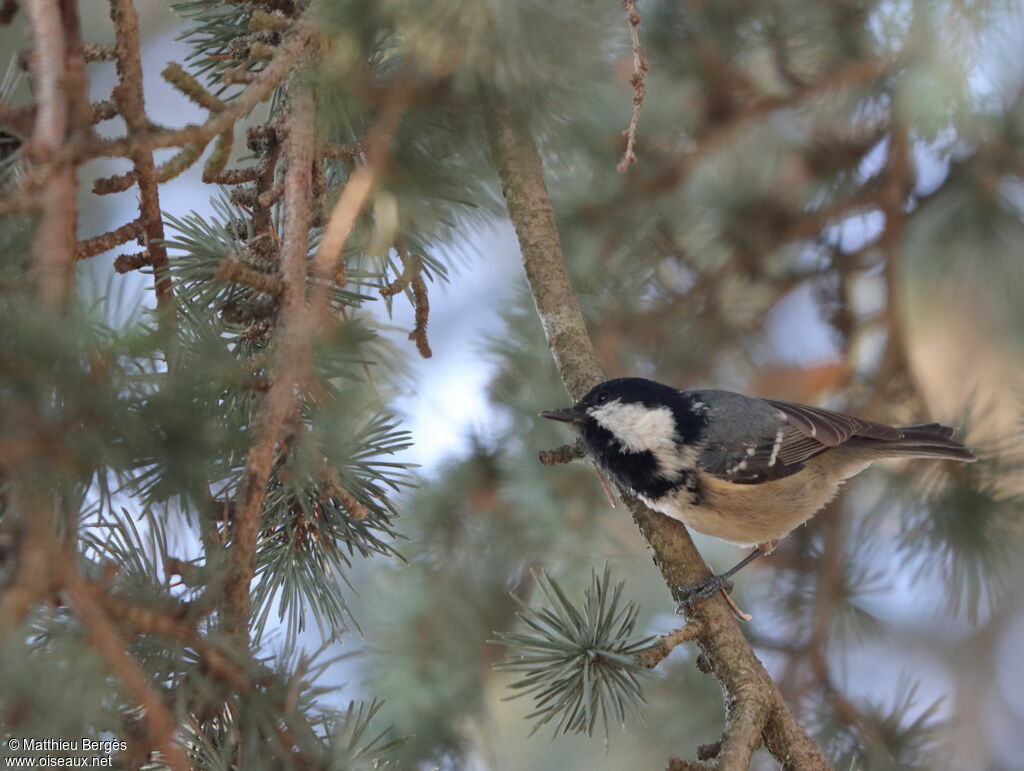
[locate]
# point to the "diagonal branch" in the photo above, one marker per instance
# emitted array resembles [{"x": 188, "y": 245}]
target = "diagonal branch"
[
  {"x": 299, "y": 319},
  {"x": 755, "y": 710},
  {"x": 291, "y": 352},
  {"x": 104, "y": 635}
]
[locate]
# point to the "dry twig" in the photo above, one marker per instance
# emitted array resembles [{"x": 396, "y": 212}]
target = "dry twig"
[{"x": 641, "y": 65}]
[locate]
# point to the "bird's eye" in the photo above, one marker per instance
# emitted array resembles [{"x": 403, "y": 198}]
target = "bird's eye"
[{"x": 602, "y": 397}]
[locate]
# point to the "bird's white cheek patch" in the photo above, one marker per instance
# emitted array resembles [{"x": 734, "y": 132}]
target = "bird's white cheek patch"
[
  {"x": 636, "y": 427},
  {"x": 646, "y": 429}
]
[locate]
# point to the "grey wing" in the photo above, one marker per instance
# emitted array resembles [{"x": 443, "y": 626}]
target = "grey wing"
[
  {"x": 751, "y": 441},
  {"x": 831, "y": 428}
]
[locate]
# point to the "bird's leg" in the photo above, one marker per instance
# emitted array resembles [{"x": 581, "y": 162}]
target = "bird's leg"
[{"x": 687, "y": 595}]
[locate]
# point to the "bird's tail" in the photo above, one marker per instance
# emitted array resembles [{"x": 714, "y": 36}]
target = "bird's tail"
[{"x": 923, "y": 440}]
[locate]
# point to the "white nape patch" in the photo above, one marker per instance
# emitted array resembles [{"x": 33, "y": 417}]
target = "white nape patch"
[
  {"x": 638, "y": 428},
  {"x": 741, "y": 466},
  {"x": 776, "y": 447}
]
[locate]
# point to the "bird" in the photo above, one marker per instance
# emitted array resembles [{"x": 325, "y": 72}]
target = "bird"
[{"x": 739, "y": 468}]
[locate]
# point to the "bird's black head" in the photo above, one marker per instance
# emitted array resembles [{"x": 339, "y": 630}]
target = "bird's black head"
[{"x": 643, "y": 433}]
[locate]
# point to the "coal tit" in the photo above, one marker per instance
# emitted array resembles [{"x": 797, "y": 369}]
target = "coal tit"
[{"x": 735, "y": 467}]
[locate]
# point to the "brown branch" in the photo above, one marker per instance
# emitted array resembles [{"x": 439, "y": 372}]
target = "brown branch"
[
  {"x": 90, "y": 247},
  {"x": 754, "y": 708},
  {"x": 412, "y": 274},
  {"x": 146, "y": 620},
  {"x": 125, "y": 263},
  {"x": 240, "y": 177},
  {"x": 641, "y": 66},
  {"x": 53, "y": 246},
  {"x": 95, "y": 52},
  {"x": 160, "y": 726},
  {"x": 410, "y": 269},
  {"x": 655, "y": 653},
  {"x": 232, "y": 270},
  {"x": 291, "y": 358},
  {"x": 20, "y": 119},
  {"x": 75, "y": 83},
  {"x": 746, "y": 717},
  {"x": 893, "y": 199},
  {"x": 356, "y": 191},
  {"x": 131, "y": 103},
  {"x": 422, "y": 302},
  {"x": 179, "y": 163},
  {"x": 346, "y": 152},
  {"x": 105, "y": 109},
  {"x": 713, "y": 135},
  {"x": 334, "y": 487},
  {"x": 33, "y": 541},
  {"x": 190, "y": 87},
  {"x": 293, "y": 352},
  {"x": 680, "y": 764},
  {"x": 564, "y": 454}
]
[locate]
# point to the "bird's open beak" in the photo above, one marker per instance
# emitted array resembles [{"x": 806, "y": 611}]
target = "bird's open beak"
[{"x": 568, "y": 415}]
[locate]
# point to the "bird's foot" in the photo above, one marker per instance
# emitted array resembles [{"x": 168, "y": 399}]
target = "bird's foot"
[
  {"x": 687, "y": 595},
  {"x": 690, "y": 594}
]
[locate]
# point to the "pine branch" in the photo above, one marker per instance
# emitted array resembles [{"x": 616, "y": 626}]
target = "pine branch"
[
  {"x": 755, "y": 710},
  {"x": 581, "y": 662}
]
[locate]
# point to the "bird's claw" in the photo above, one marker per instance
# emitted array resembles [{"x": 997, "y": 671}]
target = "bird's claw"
[{"x": 687, "y": 595}]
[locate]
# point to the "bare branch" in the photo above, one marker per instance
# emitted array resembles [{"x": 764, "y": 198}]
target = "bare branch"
[
  {"x": 654, "y": 654},
  {"x": 564, "y": 454},
  {"x": 90, "y": 247}
]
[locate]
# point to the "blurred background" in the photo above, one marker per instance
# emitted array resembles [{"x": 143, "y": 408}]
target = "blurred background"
[{"x": 827, "y": 206}]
